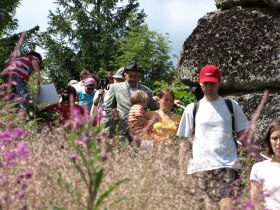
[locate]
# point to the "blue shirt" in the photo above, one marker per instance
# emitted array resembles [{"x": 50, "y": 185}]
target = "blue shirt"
[{"x": 84, "y": 98}]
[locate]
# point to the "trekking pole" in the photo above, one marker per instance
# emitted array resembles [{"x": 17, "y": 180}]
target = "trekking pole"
[{"x": 238, "y": 142}]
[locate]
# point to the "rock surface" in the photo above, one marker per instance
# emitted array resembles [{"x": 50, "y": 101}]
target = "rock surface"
[
  {"x": 243, "y": 42},
  {"x": 228, "y": 4}
]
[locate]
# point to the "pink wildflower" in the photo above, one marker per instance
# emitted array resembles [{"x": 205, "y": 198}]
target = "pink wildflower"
[
  {"x": 73, "y": 157},
  {"x": 28, "y": 174},
  {"x": 22, "y": 150},
  {"x": 10, "y": 155},
  {"x": 21, "y": 195},
  {"x": 18, "y": 133},
  {"x": 99, "y": 116},
  {"x": 248, "y": 205},
  {"x": 6, "y": 136},
  {"x": 3, "y": 181},
  {"x": 83, "y": 140}
]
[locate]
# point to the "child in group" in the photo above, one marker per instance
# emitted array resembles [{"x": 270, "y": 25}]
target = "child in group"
[{"x": 137, "y": 117}]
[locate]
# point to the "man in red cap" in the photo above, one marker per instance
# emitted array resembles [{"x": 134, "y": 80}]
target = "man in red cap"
[{"x": 214, "y": 164}]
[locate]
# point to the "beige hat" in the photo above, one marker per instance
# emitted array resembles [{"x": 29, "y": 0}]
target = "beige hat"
[{"x": 119, "y": 73}]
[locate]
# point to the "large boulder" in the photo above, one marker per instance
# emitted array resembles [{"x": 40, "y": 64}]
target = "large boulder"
[
  {"x": 228, "y": 4},
  {"x": 243, "y": 42}
]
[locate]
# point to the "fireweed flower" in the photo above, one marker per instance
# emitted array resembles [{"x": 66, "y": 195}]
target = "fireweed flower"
[
  {"x": 10, "y": 155},
  {"x": 248, "y": 206},
  {"x": 99, "y": 139},
  {"x": 24, "y": 186},
  {"x": 7, "y": 135},
  {"x": 83, "y": 139},
  {"x": 1, "y": 145},
  {"x": 104, "y": 158},
  {"x": 99, "y": 116},
  {"x": 73, "y": 157},
  {"x": 28, "y": 174},
  {"x": 18, "y": 133},
  {"x": 22, "y": 150},
  {"x": 21, "y": 195},
  {"x": 3, "y": 181}
]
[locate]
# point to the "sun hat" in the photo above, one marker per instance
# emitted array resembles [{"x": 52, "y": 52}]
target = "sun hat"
[
  {"x": 209, "y": 73},
  {"x": 132, "y": 67},
  {"x": 89, "y": 81},
  {"x": 119, "y": 73}
]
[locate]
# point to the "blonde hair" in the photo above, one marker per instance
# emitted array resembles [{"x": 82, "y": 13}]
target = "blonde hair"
[{"x": 138, "y": 96}]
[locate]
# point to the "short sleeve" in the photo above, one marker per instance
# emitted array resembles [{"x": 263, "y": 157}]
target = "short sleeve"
[
  {"x": 240, "y": 120},
  {"x": 255, "y": 173},
  {"x": 186, "y": 123}
]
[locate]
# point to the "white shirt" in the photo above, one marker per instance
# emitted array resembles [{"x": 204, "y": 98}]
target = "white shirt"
[
  {"x": 267, "y": 173},
  {"x": 213, "y": 144}
]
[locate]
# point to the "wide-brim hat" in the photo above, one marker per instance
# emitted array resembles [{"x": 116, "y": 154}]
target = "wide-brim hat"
[
  {"x": 119, "y": 74},
  {"x": 132, "y": 67}
]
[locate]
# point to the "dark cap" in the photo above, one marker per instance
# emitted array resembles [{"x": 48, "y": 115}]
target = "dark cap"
[{"x": 132, "y": 67}]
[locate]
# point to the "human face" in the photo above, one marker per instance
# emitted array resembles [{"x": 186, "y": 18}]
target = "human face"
[
  {"x": 210, "y": 90},
  {"x": 166, "y": 103},
  {"x": 111, "y": 80},
  {"x": 275, "y": 143},
  {"x": 144, "y": 103},
  {"x": 89, "y": 89},
  {"x": 132, "y": 77}
]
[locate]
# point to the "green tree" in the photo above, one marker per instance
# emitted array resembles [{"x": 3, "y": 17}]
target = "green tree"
[
  {"x": 150, "y": 50},
  {"x": 7, "y": 16},
  {"x": 181, "y": 92},
  {"x": 83, "y": 34},
  {"x": 8, "y": 43}
]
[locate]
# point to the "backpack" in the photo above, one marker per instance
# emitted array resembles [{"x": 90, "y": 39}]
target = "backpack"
[{"x": 230, "y": 108}]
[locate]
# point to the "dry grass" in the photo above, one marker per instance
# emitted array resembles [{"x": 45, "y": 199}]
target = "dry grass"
[{"x": 157, "y": 178}]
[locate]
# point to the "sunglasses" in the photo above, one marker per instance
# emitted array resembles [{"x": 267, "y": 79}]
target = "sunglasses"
[{"x": 90, "y": 88}]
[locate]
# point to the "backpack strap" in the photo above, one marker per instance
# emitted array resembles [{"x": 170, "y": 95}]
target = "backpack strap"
[
  {"x": 230, "y": 108},
  {"x": 195, "y": 108}
]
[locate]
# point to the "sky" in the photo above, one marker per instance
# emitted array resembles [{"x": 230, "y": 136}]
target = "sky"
[{"x": 178, "y": 18}]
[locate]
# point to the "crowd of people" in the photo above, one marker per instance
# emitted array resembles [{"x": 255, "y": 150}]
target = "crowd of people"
[{"x": 207, "y": 126}]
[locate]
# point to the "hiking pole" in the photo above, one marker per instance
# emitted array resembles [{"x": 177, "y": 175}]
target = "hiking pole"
[{"x": 238, "y": 142}]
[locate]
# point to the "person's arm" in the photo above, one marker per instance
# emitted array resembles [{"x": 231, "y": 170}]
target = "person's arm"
[
  {"x": 111, "y": 102},
  {"x": 37, "y": 71},
  {"x": 255, "y": 194}
]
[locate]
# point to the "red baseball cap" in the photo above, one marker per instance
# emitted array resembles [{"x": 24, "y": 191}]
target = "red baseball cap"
[{"x": 209, "y": 73}]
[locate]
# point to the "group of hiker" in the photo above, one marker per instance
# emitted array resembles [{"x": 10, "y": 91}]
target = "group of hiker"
[{"x": 207, "y": 125}]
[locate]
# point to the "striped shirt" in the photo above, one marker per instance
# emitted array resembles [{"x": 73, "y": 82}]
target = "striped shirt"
[
  {"x": 136, "y": 110},
  {"x": 21, "y": 66}
]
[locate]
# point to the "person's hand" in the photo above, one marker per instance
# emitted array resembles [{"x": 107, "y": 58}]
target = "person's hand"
[
  {"x": 40, "y": 81},
  {"x": 178, "y": 102},
  {"x": 101, "y": 92}
]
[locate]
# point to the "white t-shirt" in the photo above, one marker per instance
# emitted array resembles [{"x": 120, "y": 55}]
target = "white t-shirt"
[
  {"x": 213, "y": 143},
  {"x": 268, "y": 174}
]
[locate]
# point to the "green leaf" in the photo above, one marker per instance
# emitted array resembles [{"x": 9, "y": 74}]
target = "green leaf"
[{"x": 108, "y": 192}]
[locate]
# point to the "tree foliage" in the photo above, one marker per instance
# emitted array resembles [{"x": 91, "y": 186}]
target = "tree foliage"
[
  {"x": 8, "y": 43},
  {"x": 7, "y": 16},
  {"x": 83, "y": 35},
  {"x": 150, "y": 50},
  {"x": 181, "y": 92}
]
